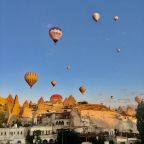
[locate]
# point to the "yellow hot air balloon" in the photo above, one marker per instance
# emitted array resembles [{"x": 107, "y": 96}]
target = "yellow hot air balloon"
[
  {"x": 116, "y": 18},
  {"x": 96, "y": 16},
  {"x": 55, "y": 33},
  {"x": 82, "y": 89},
  {"x": 31, "y": 78},
  {"x": 53, "y": 83}
]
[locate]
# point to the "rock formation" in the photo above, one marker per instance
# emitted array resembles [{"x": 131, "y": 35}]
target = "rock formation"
[
  {"x": 9, "y": 105},
  {"x": 27, "y": 113},
  {"x": 41, "y": 106},
  {"x": 75, "y": 118},
  {"x": 15, "y": 112},
  {"x": 71, "y": 101},
  {"x": 2, "y": 101},
  {"x": 130, "y": 111},
  {"x": 65, "y": 102},
  {"x": 16, "y": 107}
]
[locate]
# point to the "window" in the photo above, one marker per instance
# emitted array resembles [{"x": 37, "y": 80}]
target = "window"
[
  {"x": 21, "y": 132},
  {"x": 67, "y": 123},
  {"x": 1, "y": 133}
]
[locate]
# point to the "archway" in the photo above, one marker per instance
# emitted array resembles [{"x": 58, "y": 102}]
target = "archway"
[
  {"x": 51, "y": 141},
  {"x": 19, "y": 142},
  {"x": 45, "y": 141}
]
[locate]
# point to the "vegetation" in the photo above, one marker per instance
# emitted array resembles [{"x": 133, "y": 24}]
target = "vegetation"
[
  {"x": 140, "y": 120},
  {"x": 66, "y": 136},
  {"x": 3, "y": 120},
  {"x": 35, "y": 137}
]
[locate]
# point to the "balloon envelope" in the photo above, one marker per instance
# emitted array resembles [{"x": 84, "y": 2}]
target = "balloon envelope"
[
  {"x": 31, "y": 78},
  {"x": 55, "y": 33},
  {"x": 68, "y": 67},
  {"x": 96, "y": 16},
  {"x": 82, "y": 89},
  {"x": 53, "y": 83},
  {"x": 118, "y": 50},
  {"x": 116, "y": 18}
]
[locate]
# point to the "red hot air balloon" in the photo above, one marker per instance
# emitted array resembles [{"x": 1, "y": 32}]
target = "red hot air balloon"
[
  {"x": 53, "y": 83},
  {"x": 31, "y": 78},
  {"x": 55, "y": 33},
  {"x": 82, "y": 89}
]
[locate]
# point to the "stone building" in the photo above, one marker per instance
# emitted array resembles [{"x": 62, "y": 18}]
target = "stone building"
[{"x": 13, "y": 135}]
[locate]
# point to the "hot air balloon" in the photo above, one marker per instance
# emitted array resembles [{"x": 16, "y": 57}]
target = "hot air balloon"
[
  {"x": 82, "y": 89},
  {"x": 53, "y": 83},
  {"x": 116, "y": 18},
  {"x": 68, "y": 67},
  {"x": 55, "y": 33},
  {"x": 31, "y": 78},
  {"x": 118, "y": 50},
  {"x": 96, "y": 16}
]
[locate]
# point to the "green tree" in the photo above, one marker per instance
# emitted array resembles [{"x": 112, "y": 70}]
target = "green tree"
[
  {"x": 140, "y": 120},
  {"x": 29, "y": 138},
  {"x": 3, "y": 120},
  {"x": 35, "y": 136}
]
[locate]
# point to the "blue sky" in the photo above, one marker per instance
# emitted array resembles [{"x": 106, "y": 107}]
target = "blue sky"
[{"x": 89, "y": 47}]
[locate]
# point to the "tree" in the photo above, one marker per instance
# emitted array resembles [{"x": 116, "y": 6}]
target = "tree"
[
  {"x": 3, "y": 120},
  {"x": 140, "y": 120},
  {"x": 35, "y": 137},
  {"x": 29, "y": 138},
  {"x": 66, "y": 136}
]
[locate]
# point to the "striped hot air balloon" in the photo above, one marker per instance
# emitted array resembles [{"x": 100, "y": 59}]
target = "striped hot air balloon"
[{"x": 31, "y": 78}]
